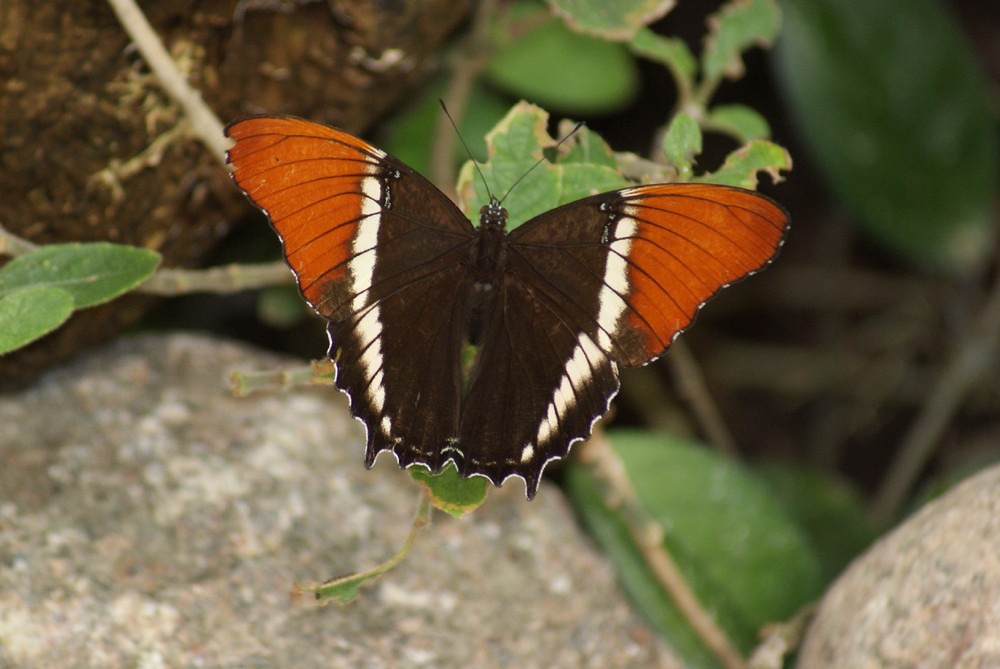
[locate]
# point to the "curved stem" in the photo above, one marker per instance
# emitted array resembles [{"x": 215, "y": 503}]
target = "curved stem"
[
  {"x": 204, "y": 123},
  {"x": 225, "y": 279},
  {"x": 12, "y": 245},
  {"x": 345, "y": 588}
]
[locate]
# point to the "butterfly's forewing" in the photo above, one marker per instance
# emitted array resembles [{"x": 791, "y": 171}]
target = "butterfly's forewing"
[
  {"x": 370, "y": 242},
  {"x": 607, "y": 280},
  {"x": 642, "y": 261},
  {"x": 671, "y": 248}
]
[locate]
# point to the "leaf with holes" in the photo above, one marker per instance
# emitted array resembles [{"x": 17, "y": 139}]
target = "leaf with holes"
[{"x": 610, "y": 19}]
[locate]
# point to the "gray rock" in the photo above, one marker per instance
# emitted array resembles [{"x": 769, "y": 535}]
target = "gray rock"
[
  {"x": 925, "y": 596},
  {"x": 149, "y": 519}
]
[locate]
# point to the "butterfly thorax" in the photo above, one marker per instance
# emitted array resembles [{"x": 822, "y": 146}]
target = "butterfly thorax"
[
  {"x": 491, "y": 240},
  {"x": 489, "y": 255},
  {"x": 493, "y": 214}
]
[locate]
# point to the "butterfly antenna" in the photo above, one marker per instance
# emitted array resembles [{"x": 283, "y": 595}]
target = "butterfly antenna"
[
  {"x": 466, "y": 146},
  {"x": 541, "y": 160}
]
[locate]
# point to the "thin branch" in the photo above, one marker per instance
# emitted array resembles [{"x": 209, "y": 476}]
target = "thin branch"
[
  {"x": 975, "y": 357},
  {"x": 204, "y": 123},
  {"x": 225, "y": 279},
  {"x": 647, "y": 535},
  {"x": 12, "y": 245},
  {"x": 467, "y": 65},
  {"x": 344, "y": 588},
  {"x": 644, "y": 391},
  {"x": 318, "y": 372},
  {"x": 781, "y": 640},
  {"x": 691, "y": 384},
  {"x": 117, "y": 171}
]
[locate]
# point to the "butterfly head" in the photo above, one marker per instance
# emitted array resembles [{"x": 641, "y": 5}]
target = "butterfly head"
[{"x": 493, "y": 214}]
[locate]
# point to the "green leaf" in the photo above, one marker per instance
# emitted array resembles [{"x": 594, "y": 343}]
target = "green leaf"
[
  {"x": 739, "y": 121},
  {"x": 613, "y": 20},
  {"x": 91, "y": 272},
  {"x": 669, "y": 51},
  {"x": 29, "y": 313},
  {"x": 515, "y": 146},
  {"x": 449, "y": 491},
  {"x": 745, "y": 559},
  {"x": 737, "y": 26},
  {"x": 742, "y": 165},
  {"x": 745, "y": 549},
  {"x": 607, "y": 527},
  {"x": 681, "y": 143},
  {"x": 564, "y": 70},
  {"x": 589, "y": 148},
  {"x": 343, "y": 590},
  {"x": 896, "y": 111},
  {"x": 827, "y": 509}
]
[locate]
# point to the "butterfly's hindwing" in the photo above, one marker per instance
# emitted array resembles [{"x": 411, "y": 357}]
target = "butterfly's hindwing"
[
  {"x": 404, "y": 382},
  {"x": 527, "y": 404}
]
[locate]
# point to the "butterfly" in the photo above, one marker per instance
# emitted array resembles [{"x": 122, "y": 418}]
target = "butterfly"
[{"x": 553, "y": 307}]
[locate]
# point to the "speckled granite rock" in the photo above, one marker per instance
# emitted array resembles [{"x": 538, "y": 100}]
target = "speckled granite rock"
[
  {"x": 926, "y": 596},
  {"x": 148, "y": 519}
]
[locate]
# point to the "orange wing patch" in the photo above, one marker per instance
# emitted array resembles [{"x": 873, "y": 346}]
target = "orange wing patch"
[
  {"x": 310, "y": 180},
  {"x": 688, "y": 242}
]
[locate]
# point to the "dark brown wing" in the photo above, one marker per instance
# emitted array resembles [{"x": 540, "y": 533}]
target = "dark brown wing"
[
  {"x": 605, "y": 281},
  {"x": 539, "y": 385},
  {"x": 377, "y": 250}
]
